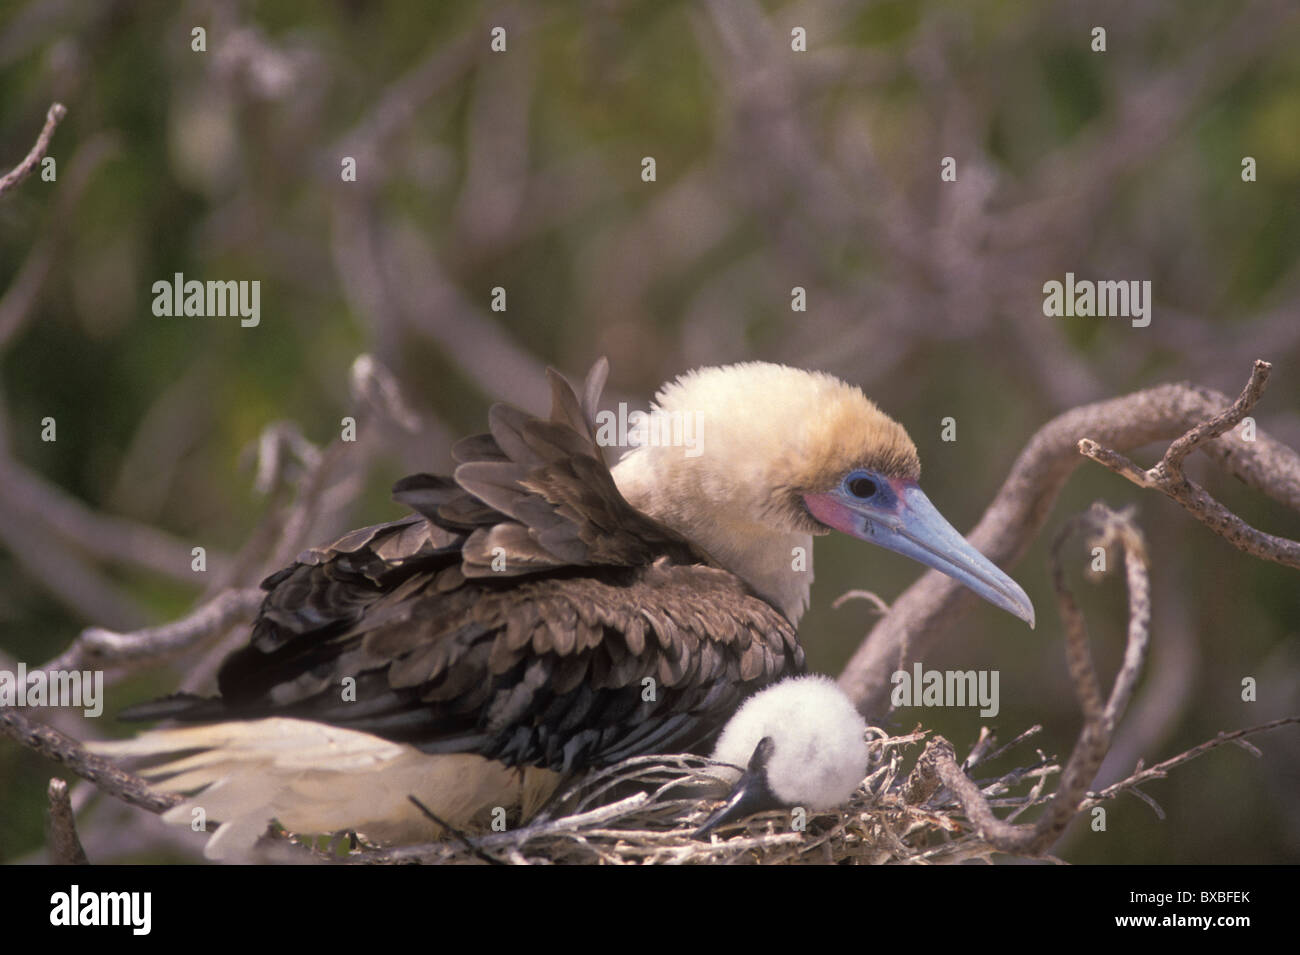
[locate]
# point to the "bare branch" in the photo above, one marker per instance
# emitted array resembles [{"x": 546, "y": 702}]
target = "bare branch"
[
  {"x": 24, "y": 169},
  {"x": 1078, "y": 658},
  {"x": 1220, "y": 423},
  {"x": 97, "y": 647},
  {"x": 1161, "y": 770},
  {"x": 61, "y": 827},
  {"x": 876, "y": 601},
  {"x": 64, "y": 749},
  {"x": 272, "y": 466},
  {"x": 1167, "y": 477},
  {"x": 939, "y": 763},
  {"x": 376, "y": 387}
]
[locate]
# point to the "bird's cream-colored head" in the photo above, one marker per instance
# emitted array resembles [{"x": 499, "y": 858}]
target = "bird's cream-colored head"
[
  {"x": 764, "y": 435},
  {"x": 751, "y": 460}
]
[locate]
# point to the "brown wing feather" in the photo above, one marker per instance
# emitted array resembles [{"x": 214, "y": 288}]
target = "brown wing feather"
[{"x": 603, "y": 634}]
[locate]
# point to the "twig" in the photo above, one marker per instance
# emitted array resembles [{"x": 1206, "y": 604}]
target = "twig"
[
  {"x": 518, "y": 837},
  {"x": 98, "y": 647},
  {"x": 61, "y": 827},
  {"x": 1167, "y": 477},
  {"x": 376, "y": 387},
  {"x": 1161, "y": 770},
  {"x": 1219, "y": 424},
  {"x": 978, "y": 756},
  {"x": 1078, "y": 657},
  {"x": 378, "y": 398},
  {"x": 24, "y": 169},
  {"x": 276, "y": 439},
  {"x": 64, "y": 749},
  {"x": 868, "y": 595},
  {"x": 452, "y": 830}
]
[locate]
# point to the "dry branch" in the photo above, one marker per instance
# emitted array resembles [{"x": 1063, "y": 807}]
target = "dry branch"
[
  {"x": 939, "y": 764},
  {"x": 1168, "y": 478},
  {"x": 1161, "y": 770},
  {"x": 64, "y": 749},
  {"x": 97, "y": 647},
  {"x": 53, "y": 117},
  {"x": 61, "y": 828}
]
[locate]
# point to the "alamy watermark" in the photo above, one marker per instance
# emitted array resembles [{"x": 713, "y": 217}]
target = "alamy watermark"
[
  {"x": 132, "y": 910},
  {"x": 1106, "y": 299},
  {"x": 922, "y": 687},
  {"x": 640, "y": 429},
  {"x": 83, "y": 688},
  {"x": 211, "y": 299}
]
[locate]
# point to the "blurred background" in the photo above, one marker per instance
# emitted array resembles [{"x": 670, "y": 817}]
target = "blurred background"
[{"x": 774, "y": 168}]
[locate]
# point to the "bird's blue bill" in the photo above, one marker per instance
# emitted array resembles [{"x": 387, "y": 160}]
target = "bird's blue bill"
[{"x": 898, "y": 515}]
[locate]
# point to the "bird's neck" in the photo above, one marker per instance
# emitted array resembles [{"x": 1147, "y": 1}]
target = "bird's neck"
[{"x": 775, "y": 563}]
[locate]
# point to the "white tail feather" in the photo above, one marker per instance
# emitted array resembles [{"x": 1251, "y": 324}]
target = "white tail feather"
[{"x": 314, "y": 778}]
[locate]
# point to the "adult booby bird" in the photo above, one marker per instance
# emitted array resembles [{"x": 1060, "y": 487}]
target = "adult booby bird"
[
  {"x": 802, "y": 744},
  {"x": 540, "y": 614}
]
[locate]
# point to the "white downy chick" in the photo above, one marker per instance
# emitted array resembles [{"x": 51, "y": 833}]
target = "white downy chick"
[{"x": 802, "y": 741}]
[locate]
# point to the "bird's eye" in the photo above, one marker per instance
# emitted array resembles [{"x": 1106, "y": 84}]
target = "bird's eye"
[{"x": 862, "y": 487}]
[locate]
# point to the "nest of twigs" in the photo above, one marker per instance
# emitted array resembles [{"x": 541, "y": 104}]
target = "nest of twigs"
[{"x": 645, "y": 810}]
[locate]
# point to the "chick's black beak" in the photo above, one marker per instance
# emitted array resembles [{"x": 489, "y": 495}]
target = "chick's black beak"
[{"x": 751, "y": 793}]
